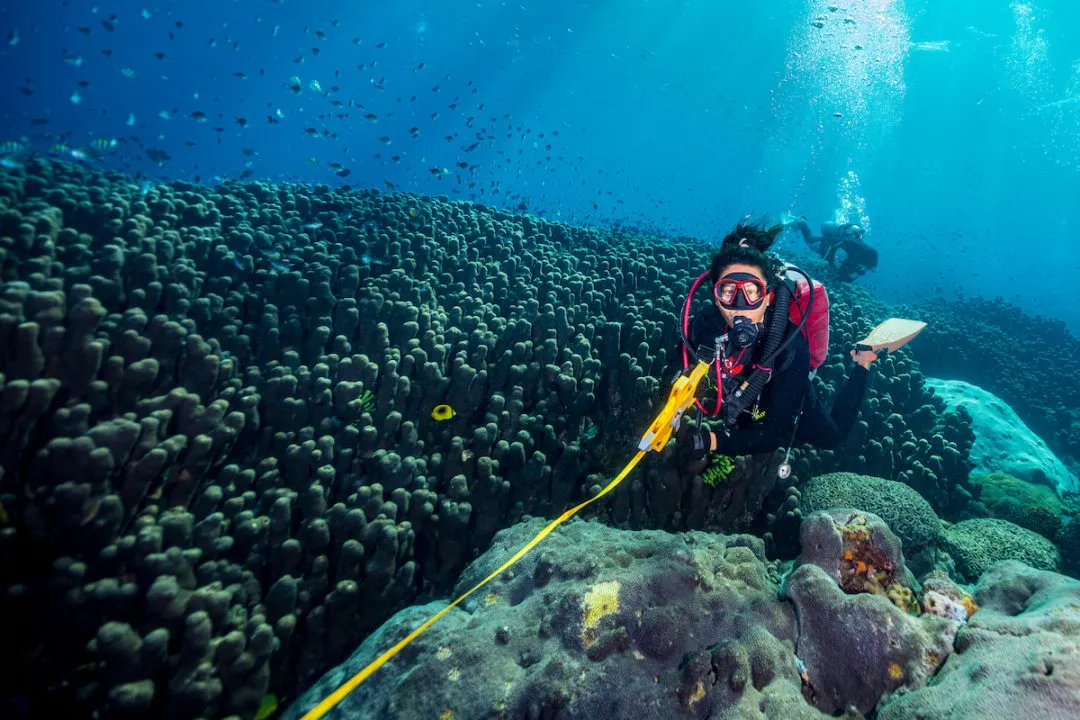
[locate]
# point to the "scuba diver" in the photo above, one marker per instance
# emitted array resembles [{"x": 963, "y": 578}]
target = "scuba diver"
[
  {"x": 762, "y": 335},
  {"x": 858, "y": 257}
]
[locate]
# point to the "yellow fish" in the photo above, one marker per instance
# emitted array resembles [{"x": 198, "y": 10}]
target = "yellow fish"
[
  {"x": 268, "y": 707},
  {"x": 442, "y": 412}
]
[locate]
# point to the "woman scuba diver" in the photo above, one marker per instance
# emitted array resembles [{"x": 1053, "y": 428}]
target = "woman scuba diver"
[{"x": 752, "y": 335}]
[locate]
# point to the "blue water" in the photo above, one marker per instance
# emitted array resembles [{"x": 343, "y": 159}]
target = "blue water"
[{"x": 950, "y": 130}]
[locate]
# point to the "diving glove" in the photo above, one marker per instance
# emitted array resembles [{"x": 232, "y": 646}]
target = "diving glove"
[{"x": 694, "y": 443}]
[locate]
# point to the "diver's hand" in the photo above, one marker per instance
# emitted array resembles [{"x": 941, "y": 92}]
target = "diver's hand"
[
  {"x": 863, "y": 357},
  {"x": 694, "y": 444}
]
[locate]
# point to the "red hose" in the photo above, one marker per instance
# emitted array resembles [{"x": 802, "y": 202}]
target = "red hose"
[{"x": 686, "y": 354}]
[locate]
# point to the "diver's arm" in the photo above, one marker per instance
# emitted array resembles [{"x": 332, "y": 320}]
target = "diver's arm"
[
  {"x": 781, "y": 405},
  {"x": 828, "y": 431},
  {"x": 807, "y": 234}
]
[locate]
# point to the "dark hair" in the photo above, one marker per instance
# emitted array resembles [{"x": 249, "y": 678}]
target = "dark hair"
[{"x": 747, "y": 244}]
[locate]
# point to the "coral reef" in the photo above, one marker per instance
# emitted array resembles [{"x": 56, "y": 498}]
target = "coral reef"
[
  {"x": 906, "y": 512},
  {"x": 719, "y": 468},
  {"x": 692, "y": 624},
  {"x": 978, "y": 544},
  {"x": 1031, "y": 506},
  {"x": 1068, "y": 541},
  {"x": 688, "y": 623},
  {"x": 858, "y": 634},
  {"x": 1003, "y": 443},
  {"x": 964, "y": 340},
  {"x": 1018, "y": 657},
  {"x": 859, "y": 551},
  {"x": 220, "y": 469}
]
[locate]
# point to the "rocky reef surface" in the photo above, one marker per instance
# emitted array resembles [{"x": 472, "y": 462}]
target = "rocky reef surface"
[{"x": 602, "y": 622}]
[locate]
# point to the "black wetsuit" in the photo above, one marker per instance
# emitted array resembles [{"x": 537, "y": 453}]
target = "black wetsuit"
[
  {"x": 858, "y": 256},
  {"x": 781, "y": 398}
]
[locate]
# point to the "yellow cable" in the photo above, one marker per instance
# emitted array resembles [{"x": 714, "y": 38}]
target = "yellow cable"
[
  {"x": 682, "y": 394},
  {"x": 338, "y": 695}
]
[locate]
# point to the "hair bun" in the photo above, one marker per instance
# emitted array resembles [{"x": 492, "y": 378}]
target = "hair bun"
[
  {"x": 760, "y": 237},
  {"x": 748, "y": 243}
]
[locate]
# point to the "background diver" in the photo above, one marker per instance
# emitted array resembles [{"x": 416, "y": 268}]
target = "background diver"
[
  {"x": 747, "y": 321},
  {"x": 842, "y": 246}
]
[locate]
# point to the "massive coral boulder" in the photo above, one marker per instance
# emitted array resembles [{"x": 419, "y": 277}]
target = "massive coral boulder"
[
  {"x": 858, "y": 638},
  {"x": 1018, "y": 657},
  {"x": 596, "y": 622},
  {"x": 963, "y": 340},
  {"x": 906, "y": 512},
  {"x": 975, "y": 545},
  {"x": 1003, "y": 442},
  {"x": 1031, "y": 506}
]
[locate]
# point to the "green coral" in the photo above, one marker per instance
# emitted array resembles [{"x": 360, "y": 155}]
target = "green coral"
[
  {"x": 906, "y": 512},
  {"x": 1031, "y": 506},
  {"x": 367, "y": 401},
  {"x": 718, "y": 470},
  {"x": 976, "y": 545}
]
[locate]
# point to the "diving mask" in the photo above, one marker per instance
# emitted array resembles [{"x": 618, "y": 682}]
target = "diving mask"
[{"x": 740, "y": 291}]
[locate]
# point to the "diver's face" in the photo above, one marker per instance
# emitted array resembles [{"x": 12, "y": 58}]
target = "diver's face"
[{"x": 742, "y": 272}]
